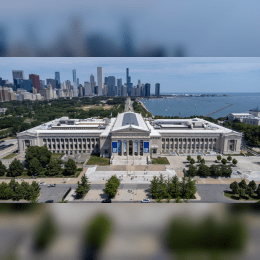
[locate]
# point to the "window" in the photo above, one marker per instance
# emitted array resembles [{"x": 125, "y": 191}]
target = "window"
[
  {"x": 84, "y": 140},
  {"x": 71, "y": 146},
  {"x": 79, "y": 139},
  {"x": 167, "y": 146},
  {"x": 71, "y": 139},
  {"x": 163, "y": 140},
  {"x": 75, "y": 140},
  {"x": 201, "y": 146},
  {"x": 215, "y": 140},
  {"x": 44, "y": 140},
  {"x": 53, "y": 140},
  {"x": 167, "y": 139},
  {"x": 179, "y": 145},
  {"x": 53, "y": 146},
  {"x": 171, "y": 146},
  {"x": 92, "y": 139},
  {"x": 176, "y": 146},
  {"x": 206, "y": 146},
  {"x": 84, "y": 146},
  {"x": 176, "y": 140},
  {"x": 189, "y": 140},
  {"x": 206, "y": 139},
  {"x": 88, "y": 146},
  {"x": 66, "y": 140},
  {"x": 67, "y": 146},
  {"x": 58, "y": 146},
  {"x": 171, "y": 139},
  {"x": 49, "y": 140},
  {"x": 57, "y": 140},
  {"x": 184, "y": 140},
  {"x": 76, "y": 147},
  {"x": 88, "y": 140},
  {"x": 96, "y": 139},
  {"x": 162, "y": 146},
  {"x": 197, "y": 146},
  {"x": 197, "y": 140},
  {"x": 210, "y": 140},
  {"x": 92, "y": 145},
  {"x": 80, "y": 146},
  {"x": 193, "y": 146}
]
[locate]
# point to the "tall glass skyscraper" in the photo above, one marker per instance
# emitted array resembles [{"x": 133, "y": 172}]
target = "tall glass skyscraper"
[
  {"x": 128, "y": 82},
  {"x": 119, "y": 87},
  {"x": 157, "y": 89},
  {"x": 147, "y": 90},
  {"x": 100, "y": 80},
  {"x": 111, "y": 85},
  {"x": 74, "y": 76},
  {"x": 57, "y": 78}
]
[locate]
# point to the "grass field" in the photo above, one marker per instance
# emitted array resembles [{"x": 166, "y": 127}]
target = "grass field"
[
  {"x": 160, "y": 160},
  {"x": 56, "y": 155},
  {"x": 10, "y": 156},
  {"x": 96, "y": 160},
  {"x": 232, "y": 196}
]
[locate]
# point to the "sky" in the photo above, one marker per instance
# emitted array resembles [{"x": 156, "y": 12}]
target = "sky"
[
  {"x": 185, "y": 74},
  {"x": 203, "y": 28}
]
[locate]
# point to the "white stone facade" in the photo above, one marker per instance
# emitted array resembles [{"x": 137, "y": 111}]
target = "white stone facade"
[{"x": 130, "y": 134}]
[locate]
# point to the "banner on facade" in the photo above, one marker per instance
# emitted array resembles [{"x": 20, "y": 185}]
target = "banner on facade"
[
  {"x": 124, "y": 147},
  {"x": 146, "y": 147},
  {"x": 114, "y": 147},
  {"x": 136, "y": 145},
  {"x": 119, "y": 146}
]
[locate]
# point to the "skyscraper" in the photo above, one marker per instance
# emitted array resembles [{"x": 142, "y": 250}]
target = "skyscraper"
[
  {"x": 111, "y": 86},
  {"x": 147, "y": 90},
  {"x": 128, "y": 82},
  {"x": 119, "y": 87},
  {"x": 92, "y": 82},
  {"x": 74, "y": 76},
  {"x": 35, "y": 81},
  {"x": 57, "y": 78},
  {"x": 18, "y": 74},
  {"x": 27, "y": 85},
  {"x": 52, "y": 82},
  {"x": 100, "y": 80},
  {"x": 78, "y": 81},
  {"x": 42, "y": 83},
  {"x": 87, "y": 87},
  {"x": 157, "y": 89}
]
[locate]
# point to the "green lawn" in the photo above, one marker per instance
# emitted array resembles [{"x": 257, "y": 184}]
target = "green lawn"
[
  {"x": 96, "y": 160},
  {"x": 56, "y": 155},
  {"x": 232, "y": 196},
  {"x": 160, "y": 160},
  {"x": 10, "y": 156}
]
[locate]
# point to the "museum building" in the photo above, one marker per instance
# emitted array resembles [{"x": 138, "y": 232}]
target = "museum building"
[{"x": 130, "y": 134}]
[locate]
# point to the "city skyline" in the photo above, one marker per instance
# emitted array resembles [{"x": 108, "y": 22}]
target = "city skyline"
[{"x": 175, "y": 75}]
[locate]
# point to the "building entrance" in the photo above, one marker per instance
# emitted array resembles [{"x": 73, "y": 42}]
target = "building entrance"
[{"x": 130, "y": 148}]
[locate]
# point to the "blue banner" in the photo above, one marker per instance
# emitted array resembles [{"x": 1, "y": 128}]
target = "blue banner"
[
  {"x": 119, "y": 146},
  {"x": 146, "y": 147},
  {"x": 114, "y": 147},
  {"x": 136, "y": 145},
  {"x": 124, "y": 147}
]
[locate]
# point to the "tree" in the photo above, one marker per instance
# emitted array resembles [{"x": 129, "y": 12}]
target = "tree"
[
  {"x": 202, "y": 161},
  {"x": 234, "y": 161},
  {"x": 226, "y": 171},
  {"x": 224, "y": 161},
  {"x": 219, "y": 157},
  {"x": 203, "y": 170},
  {"x": 229, "y": 158},
  {"x": 35, "y": 167},
  {"x": 190, "y": 189},
  {"x": 198, "y": 158},
  {"x": 41, "y": 153},
  {"x": 249, "y": 191},
  {"x": 258, "y": 191},
  {"x": 234, "y": 187},
  {"x": 16, "y": 168},
  {"x": 154, "y": 188},
  {"x": 53, "y": 168},
  {"x": 252, "y": 185},
  {"x": 192, "y": 161},
  {"x": 188, "y": 158},
  {"x": 214, "y": 170},
  {"x": 83, "y": 187},
  {"x": 192, "y": 171},
  {"x": 70, "y": 167},
  {"x": 112, "y": 186},
  {"x": 175, "y": 191},
  {"x": 2, "y": 169},
  {"x": 243, "y": 184},
  {"x": 241, "y": 193}
]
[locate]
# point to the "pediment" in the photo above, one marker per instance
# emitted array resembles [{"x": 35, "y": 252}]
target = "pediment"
[
  {"x": 26, "y": 136},
  {"x": 130, "y": 130}
]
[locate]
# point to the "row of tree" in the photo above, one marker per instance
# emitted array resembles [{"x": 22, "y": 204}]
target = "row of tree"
[
  {"x": 242, "y": 189},
  {"x": 172, "y": 188},
  {"x": 219, "y": 158},
  {"x": 213, "y": 170},
  {"x": 15, "y": 191}
]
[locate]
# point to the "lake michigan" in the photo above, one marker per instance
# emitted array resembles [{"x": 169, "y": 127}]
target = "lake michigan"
[{"x": 202, "y": 106}]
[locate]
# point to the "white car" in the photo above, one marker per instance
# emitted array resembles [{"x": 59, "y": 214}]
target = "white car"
[
  {"x": 42, "y": 183},
  {"x": 145, "y": 201}
]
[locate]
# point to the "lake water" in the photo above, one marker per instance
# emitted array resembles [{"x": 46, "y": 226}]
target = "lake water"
[{"x": 201, "y": 106}]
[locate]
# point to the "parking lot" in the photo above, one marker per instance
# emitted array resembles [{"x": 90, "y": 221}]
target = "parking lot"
[{"x": 54, "y": 193}]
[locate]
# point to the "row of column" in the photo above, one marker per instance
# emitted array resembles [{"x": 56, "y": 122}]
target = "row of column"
[{"x": 133, "y": 147}]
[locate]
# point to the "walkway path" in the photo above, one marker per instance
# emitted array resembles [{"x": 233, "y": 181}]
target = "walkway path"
[{"x": 219, "y": 110}]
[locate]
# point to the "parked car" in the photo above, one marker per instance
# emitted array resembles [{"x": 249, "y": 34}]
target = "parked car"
[
  {"x": 145, "y": 201},
  {"x": 49, "y": 201},
  {"x": 106, "y": 201},
  {"x": 42, "y": 183},
  {"x": 52, "y": 185}
]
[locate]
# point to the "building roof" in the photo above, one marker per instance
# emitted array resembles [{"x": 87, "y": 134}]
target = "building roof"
[{"x": 129, "y": 120}]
